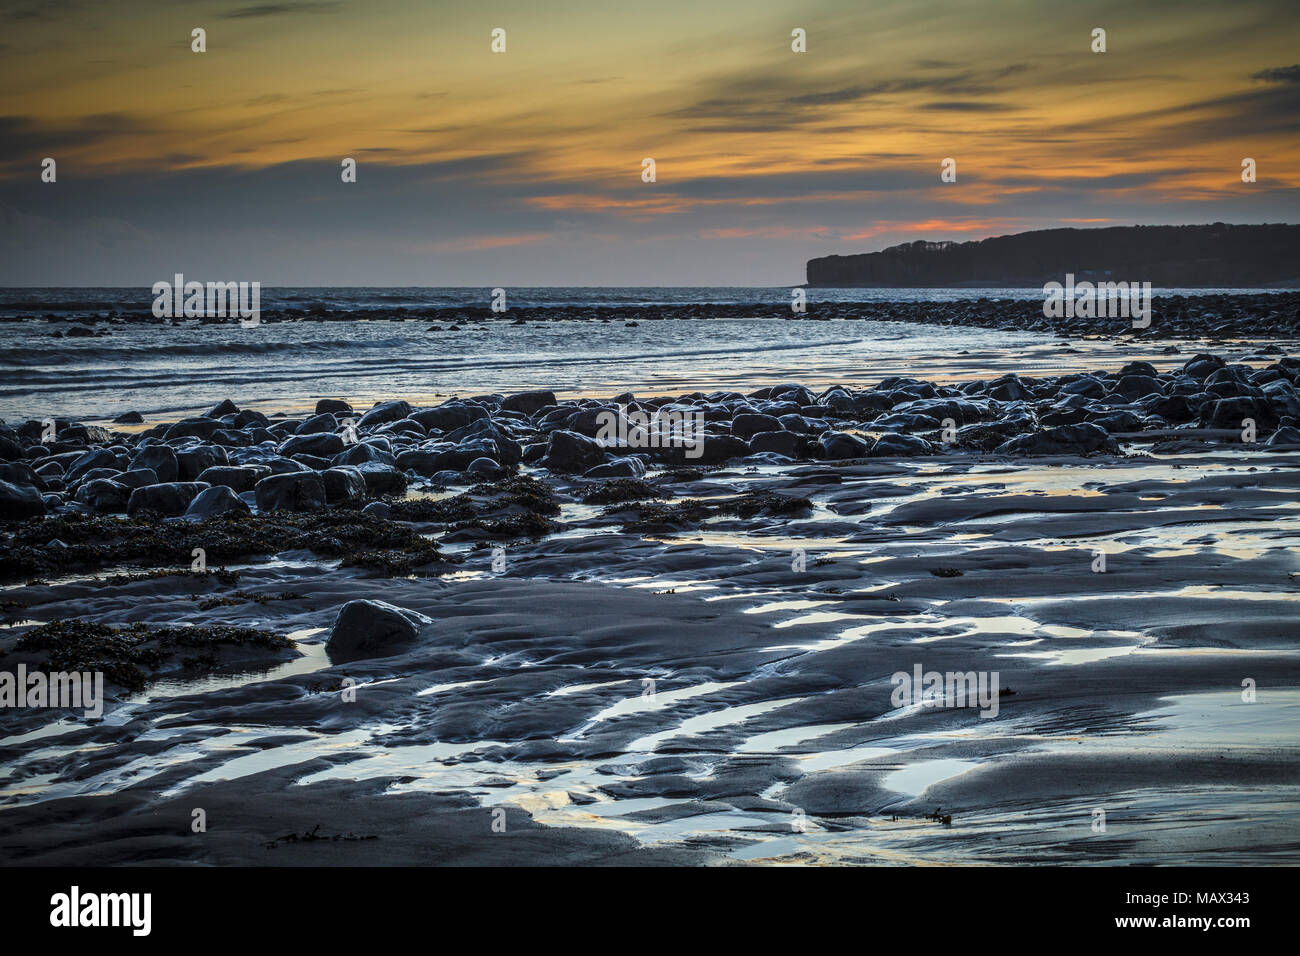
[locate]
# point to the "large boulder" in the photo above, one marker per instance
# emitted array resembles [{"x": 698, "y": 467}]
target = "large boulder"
[
  {"x": 529, "y": 402},
  {"x": 1063, "y": 440},
  {"x": 95, "y": 458},
  {"x": 104, "y": 496},
  {"x": 1231, "y": 412},
  {"x": 344, "y": 483},
  {"x": 382, "y": 479},
  {"x": 747, "y": 425},
  {"x": 160, "y": 458},
  {"x": 296, "y": 491},
  {"x": 783, "y": 443},
  {"x": 169, "y": 499},
  {"x": 450, "y": 416},
  {"x": 319, "y": 444},
  {"x": 235, "y": 477},
  {"x": 192, "y": 428},
  {"x": 628, "y": 467},
  {"x": 317, "y": 424},
  {"x": 373, "y": 629},
  {"x": 894, "y": 445},
  {"x": 569, "y": 451},
  {"x": 198, "y": 459},
  {"x": 841, "y": 446},
  {"x": 20, "y": 501},
  {"x": 217, "y": 500},
  {"x": 385, "y": 412},
  {"x": 1135, "y": 386}
]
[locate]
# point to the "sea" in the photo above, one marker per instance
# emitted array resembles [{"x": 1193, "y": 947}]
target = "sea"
[{"x": 173, "y": 370}]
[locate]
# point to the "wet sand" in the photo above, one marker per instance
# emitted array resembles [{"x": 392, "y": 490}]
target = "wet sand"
[{"x": 769, "y": 735}]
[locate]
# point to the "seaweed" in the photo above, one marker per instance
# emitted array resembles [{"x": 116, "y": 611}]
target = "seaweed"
[{"x": 124, "y": 654}]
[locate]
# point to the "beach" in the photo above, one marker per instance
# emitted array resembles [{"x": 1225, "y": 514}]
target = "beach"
[{"x": 577, "y": 651}]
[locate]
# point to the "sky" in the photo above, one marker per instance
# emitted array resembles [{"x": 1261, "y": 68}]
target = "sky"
[{"x": 524, "y": 168}]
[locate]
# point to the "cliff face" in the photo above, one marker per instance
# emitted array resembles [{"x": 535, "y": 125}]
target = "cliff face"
[{"x": 1187, "y": 256}]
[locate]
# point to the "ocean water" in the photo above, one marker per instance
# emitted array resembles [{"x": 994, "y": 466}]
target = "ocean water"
[{"x": 172, "y": 370}]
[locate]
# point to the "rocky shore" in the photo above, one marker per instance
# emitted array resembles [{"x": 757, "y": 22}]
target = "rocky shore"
[
  {"x": 1252, "y": 315},
  {"x": 237, "y": 462},
  {"x": 499, "y": 585}
]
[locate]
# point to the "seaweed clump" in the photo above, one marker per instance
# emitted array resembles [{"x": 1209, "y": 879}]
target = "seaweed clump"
[
  {"x": 125, "y": 654},
  {"x": 68, "y": 542},
  {"x": 619, "y": 490},
  {"x": 654, "y": 517}
]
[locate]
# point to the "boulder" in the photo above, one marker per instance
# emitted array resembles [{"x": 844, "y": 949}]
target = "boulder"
[
  {"x": 297, "y": 491},
  {"x": 104, "y": 496},
  {"x": 894, "y": 445},
  {"x": 320, "y": 445},
  {"x": 161, "y": 459},
  {"x": 1062, "y": 440},
  {"x": 20, "y": 501},
  {"x": 238, "y": 478},
  {"x": 385, "y": 412},
  {"x": 373, "y": 629},
  {"x": 195, "y": 460},
  {"x": 841, "y": 445},
  {"x": 529, "y": 402},
  {"x": 169, "y": 499},
  {"x": 628, "y": 467},
  {"x": 217, "y": 500},
  {"x": 568, "y": 451},
  {"x": 343, "y": 483}
]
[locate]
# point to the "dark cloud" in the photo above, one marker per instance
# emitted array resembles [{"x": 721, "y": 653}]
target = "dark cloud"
[
  {"x": 966, "y": 106},
  {"x": 26, "y": 139},
  {"x": 278, "y": 9},
  {"x": 1278, "y": 74}
]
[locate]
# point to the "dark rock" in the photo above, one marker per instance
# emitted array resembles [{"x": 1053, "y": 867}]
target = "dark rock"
[
  {"x": 1062, "y": 440},
  {"x": 221, "y": 410},
  {"x": 238, "y": 478},
  {"x": 217, "y": 500},
  {"x": 301, "y": 491},
  {"x": 373, "y": 629},
  {"x": 485, "y": 468},
  {"x": 161, "y": 459},
  {"x": 569, "y": 452},
  {"x": 894, "y": 445},
  {"x": 195, "y": 460},
  {"x": 782, "y": 443},
  {"x": 626, "y": 467},
  {"x": 382, "y": 479},
  {"x": 344, "y": 483},
  {"x": 529, "y": 402},
  {"x": 385, "y": 412},
  {"x": 748, "y": 425},
  {"x": 841, "y": 445},
  {"x": 192, "y": 428},
  {"x": 18, "y": 502},
  {"x": 104, "y": 496},
  {"x": 321, "y": 445},
  {"x": 1231, "y": 412},
  {"x": 317, "y": 424},
  {"x": 169, "y": 499}
]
